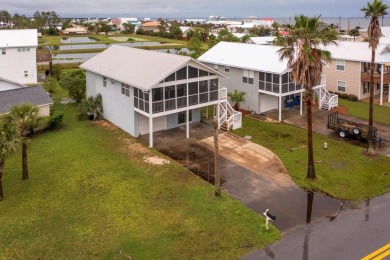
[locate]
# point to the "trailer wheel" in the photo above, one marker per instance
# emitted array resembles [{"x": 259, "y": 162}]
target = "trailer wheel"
[
  {"x": 342, "y": 134},
  {"x": 356, "y": 131}
]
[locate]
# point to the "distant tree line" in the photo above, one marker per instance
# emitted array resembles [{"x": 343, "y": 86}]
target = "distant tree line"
[{"x": 45, "y": 22}]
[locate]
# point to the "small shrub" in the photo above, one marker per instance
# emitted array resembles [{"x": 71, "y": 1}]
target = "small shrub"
[
  {"x": 130, "y": 40},
  {"x": 343, "y": 95},
  {"x": 331, "y": 92},
  {"x": 54, "y": 121},
  {"x": 352, "y": 97}
]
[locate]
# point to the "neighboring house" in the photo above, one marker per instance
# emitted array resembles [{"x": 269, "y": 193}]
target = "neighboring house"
[
  {"x": 18, "y": 61},
  {"x": 185, "y": 30},
  {"x": 74, "y": 30},
  {"x": 265, "y": 40},
  {"x": 12, "y": 93},
  {"x": 348, "y": 71},
  {"x": 147, "y": 91},
  {"x": 349, "y": 38},
  {"x": 150, "y": 26},
  {"x": 258, "y": 71}
]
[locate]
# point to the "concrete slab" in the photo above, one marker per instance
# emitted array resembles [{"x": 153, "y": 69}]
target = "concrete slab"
[{"x": 250, "y": 173}]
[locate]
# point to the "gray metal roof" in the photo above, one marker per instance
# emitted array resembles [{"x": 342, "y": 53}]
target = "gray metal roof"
[
  {"x": 139, "y": 68},
  {"x": 36, "y": 96}
]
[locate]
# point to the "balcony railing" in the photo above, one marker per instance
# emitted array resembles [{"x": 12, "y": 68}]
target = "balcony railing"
[
  {"x": 365, "y": 76},
  {"x": 180, "y": 102}
]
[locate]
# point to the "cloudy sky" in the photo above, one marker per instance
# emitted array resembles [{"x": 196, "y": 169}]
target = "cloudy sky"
[{"x": 188, "y": 8}]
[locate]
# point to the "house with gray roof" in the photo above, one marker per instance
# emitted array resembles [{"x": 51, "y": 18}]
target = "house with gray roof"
[
  {"x": 12, "y": 94},
  {"x": 147, "y": 91}
]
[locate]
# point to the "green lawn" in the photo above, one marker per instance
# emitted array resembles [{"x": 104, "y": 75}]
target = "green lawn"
[
  {"x": 91, "y": 195},
  {"x": 360, "y": 109},
  {"x": 342, "y": 171}
]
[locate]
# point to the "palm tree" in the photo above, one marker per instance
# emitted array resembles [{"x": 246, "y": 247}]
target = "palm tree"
[
  {"x": 9, "y": 143},
  {"x": 302, "y": 49},
  {"x": 354, "y": 32},
  {"x": 237, "y": 97},
  {"x": 26, "y": 118},
  {"x": 374, "y": 10}
]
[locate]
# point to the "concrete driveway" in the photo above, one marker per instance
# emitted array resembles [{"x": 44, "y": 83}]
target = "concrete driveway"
[{"x": 250, "y": 173}]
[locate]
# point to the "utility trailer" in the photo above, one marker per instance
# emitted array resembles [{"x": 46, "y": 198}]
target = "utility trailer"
[{"x": 346, "y": 127}]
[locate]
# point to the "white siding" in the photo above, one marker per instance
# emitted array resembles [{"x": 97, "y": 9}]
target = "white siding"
[
  {"x": 13, "y": 65},
  {"x": 268, "y": 102},
  {"x": 118, "y": 108},
  {"x": 158, "y": 124}
]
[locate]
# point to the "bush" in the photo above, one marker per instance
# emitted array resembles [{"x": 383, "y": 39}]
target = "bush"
[
  {"x": 54, "y": 121},
  {"x": 352, "y": 97},
  {"x": 331, "y": 92},
  {"x": 343, "y": 95}
]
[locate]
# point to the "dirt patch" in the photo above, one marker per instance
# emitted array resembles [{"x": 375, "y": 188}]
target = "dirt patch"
[
  {"x": 155, "y": 160},
  {"x": 105, "y": 124},
  {"x": 342, "y": 110},
  {"x": 132, "y": 147}
]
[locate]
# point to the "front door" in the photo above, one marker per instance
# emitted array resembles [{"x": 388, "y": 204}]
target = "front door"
[{"x": 181, "y": 117}]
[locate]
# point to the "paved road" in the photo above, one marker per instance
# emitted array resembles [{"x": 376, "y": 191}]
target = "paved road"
[{"x": 354, "y": 234}]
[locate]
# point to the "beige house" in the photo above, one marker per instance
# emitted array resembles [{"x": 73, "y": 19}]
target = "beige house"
[
  {"x": 348, "y": 71},
  {"x": 150, "y": 26},
  {"x": 13, "y": 93}
]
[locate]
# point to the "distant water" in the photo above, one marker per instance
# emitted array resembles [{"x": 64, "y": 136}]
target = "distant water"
[{"x": 346, "y": 23}]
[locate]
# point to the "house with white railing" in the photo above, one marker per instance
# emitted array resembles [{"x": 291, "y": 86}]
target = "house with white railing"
[
  {"x": 258, "y": 71},
  {"x": 147, "y": 91}
]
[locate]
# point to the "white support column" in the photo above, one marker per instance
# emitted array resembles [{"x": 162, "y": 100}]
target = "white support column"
[
  {"x": 207, "y": 112},
  {"x": 150, "y": 120},
  {"x": 319, "y": 97},
  {"x": 280, "y": 98},
  {"x": 280, "y": 108},
  {"x": 187, "y": 124},
  {"x": 217, "y": 117},
  {"x": 381, "y": 91},
  {"x": 300, "y": 105}
]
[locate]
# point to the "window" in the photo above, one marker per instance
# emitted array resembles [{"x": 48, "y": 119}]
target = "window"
[
  {"x": 26, "y": 73},
  {"x": 245, "y": 75},
  {"x": 28, "y": 49},
  {"x": 192, "y": 72},
  {"x": 170, "y": 92},
  {"x": 125, "y": 89},
  {"x": 23, "y": 49},
  {"x": 181, "y": 73},
  {"x": 181, "y": 90},
  {"x": 341, "y": 86},
  {"x": 340, "y": 65},
  {"x": 104, "y": 81},
  {"x": 157, "y": 94},
  {"x": 203, "y": 73},
  {"x": 3, "y": 51},
  {"x": 248, "y": 76},
  {"x": 112, "y": 81},
  {"x": 170, "y": 78},
  {"x": 366, "y": 87},
  {"x": 19, "y": 50},
  {"x": 227, "y": 69}
]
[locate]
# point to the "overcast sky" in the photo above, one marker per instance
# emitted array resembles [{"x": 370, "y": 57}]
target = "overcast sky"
[{"x": 188, "y": 8}]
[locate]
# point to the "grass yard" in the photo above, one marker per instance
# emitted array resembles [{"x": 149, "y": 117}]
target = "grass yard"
[
  {"x": 360, "y": 109},
  {"x": 342, "y": 171},
  {"x": 92, "y": 195}
]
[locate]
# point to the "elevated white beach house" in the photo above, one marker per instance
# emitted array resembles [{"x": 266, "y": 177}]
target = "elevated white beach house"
[
  {"x": 258, "y": 71},
  {"x": 18, "y": 57},
  {"x": 147, "y": 91}
]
